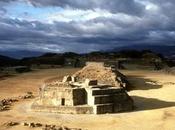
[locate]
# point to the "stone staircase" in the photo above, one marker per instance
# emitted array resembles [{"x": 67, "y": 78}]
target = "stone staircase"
[
  {"x": 101, "y": 100},
  {"x": 107, "y": 100}
]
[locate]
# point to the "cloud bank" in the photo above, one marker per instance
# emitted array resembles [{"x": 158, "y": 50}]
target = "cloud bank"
[{"x": 73, "y": 25}]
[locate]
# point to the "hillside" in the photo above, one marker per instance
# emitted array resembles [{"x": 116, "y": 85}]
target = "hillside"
[
  {"x": 7, "y": 61},
  {"x": 75, "y": 60}
]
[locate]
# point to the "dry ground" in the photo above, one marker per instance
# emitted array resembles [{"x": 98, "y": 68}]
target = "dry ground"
[
  {"x": 14, "y": 86},
  {"x": 153, "y": 93}
]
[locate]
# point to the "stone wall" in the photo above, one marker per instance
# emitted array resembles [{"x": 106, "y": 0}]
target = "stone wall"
[
  {"x": 109, "y": 100},
  {"x": 64, "y": 109},
  {"x": 56, "y": 97},
  {"x": 74, "y": 97},
  {"x": 79, "y": 96},
  {"x": 60, "y": 96},
  {"x": 123, "y": 102},
  {"x": 103, "y": 108}
]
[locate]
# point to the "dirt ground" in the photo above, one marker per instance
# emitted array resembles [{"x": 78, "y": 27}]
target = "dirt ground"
[{"x": 153, "y": 94}]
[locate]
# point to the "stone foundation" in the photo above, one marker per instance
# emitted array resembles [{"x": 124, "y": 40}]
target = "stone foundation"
[
  {"x": 76, "y": 97},
  {"x": 64, "y": 109}
]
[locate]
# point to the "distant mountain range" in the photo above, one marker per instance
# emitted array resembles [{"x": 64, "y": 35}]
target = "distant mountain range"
[
  {"x": 38, "y": 58},
  {"x": 168, "y": 51},
  {"x": 20, "y": 53},
  {"x": 7, "y": 61}
]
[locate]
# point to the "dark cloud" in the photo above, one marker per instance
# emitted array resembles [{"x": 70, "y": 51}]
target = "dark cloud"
[
  {"x": 2, "y": 11},
  {"x": 114, "y": 6},
  {"x": 132, "y": 22}
]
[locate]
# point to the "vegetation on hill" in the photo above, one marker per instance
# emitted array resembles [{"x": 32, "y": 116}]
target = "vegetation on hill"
[
  {"x": 7, "y": 61},
  {"x": 74, "y": 59}
]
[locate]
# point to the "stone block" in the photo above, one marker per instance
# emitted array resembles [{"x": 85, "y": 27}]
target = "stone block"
[
  {"x": 90, "y": 82},
  {"x": 74, "y": 79},
  {"x": 67, "y": 79}
]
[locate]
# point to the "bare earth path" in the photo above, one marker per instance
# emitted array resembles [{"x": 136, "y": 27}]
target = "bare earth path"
[{"x": 153, "y": 93}]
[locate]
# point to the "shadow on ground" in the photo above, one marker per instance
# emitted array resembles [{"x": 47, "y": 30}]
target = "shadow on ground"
[
  {"x": 142, "y": 103},
  {"x": 141, "y": 83}
]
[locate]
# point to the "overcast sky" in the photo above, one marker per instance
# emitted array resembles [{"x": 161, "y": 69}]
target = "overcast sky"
[{"x": 85, "y": 25}]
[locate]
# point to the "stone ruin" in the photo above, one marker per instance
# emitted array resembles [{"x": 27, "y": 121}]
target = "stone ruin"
[
  {"x": 73, "y": 95},
  {"x": 104, "y": 75}
]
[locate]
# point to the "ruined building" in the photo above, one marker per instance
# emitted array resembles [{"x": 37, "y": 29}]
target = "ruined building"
[
  {"x": 76, "y": 96},
  {"x": 104, "y": 75}
]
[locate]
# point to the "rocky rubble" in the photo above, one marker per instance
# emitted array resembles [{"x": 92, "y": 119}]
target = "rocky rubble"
[
  {"x": 104, "y": 75},
  {"x": 5, "y": 104},
  {"x": 47, "y": 127},
  {"x": 27, "y": 96},
  {"x": 53, "y": 127},
  {"x": 39, "y": 125},
  {"x": 32, "y": 125},
  {"x": 11, "y": 123}
]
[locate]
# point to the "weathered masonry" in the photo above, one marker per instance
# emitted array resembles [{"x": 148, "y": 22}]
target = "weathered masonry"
[{"x": 88, "y": 97}]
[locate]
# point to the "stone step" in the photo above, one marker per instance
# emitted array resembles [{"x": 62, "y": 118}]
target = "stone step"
[
  {"x": 103, "y": 108},
  {"x": 103, "y": 99},
  {"x": 106, "y": 91}
]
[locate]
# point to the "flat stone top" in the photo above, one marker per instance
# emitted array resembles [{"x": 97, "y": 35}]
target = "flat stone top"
[
  {"x": 77, "y": 83},
  {"x": 95, "y": 63}
]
